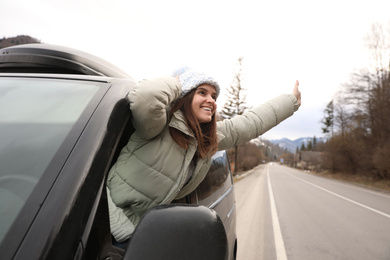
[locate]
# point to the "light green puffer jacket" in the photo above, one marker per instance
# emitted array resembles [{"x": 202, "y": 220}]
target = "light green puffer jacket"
[{"x": 152, "y": 169}]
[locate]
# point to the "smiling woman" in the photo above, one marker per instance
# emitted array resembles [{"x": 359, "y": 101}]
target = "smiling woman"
[{"x": 176, "y": 134}]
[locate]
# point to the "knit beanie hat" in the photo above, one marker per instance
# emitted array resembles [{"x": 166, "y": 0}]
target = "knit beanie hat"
[{"x": 191, "y": 79}]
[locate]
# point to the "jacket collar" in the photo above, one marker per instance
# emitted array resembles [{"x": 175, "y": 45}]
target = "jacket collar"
[{"x": 178, "y": 121}]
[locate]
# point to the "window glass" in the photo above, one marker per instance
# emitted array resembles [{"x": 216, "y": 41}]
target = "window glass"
[
  {"x": 36, "y": 115},
  {"x": 217, "y": 180}
]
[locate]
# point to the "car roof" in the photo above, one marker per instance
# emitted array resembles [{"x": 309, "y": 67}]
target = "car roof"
[{"x": 47, "y": 58}]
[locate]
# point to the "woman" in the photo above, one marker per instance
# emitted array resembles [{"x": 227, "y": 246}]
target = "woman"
[{"x": 176, "y": 134}]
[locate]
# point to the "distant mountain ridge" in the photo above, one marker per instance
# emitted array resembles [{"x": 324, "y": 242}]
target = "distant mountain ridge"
[{"x": 291, "y": 146}]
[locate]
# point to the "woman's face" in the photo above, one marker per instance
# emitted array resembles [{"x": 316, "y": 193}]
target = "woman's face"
[{"x": 203, "y": 103}]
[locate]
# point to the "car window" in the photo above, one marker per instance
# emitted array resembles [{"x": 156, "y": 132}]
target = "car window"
[
  {"x": 217, "y": 181},
  {"x": 36, "y": 115}
]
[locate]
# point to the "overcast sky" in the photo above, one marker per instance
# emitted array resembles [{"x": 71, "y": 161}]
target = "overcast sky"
[{"x": 320, "y": 43}]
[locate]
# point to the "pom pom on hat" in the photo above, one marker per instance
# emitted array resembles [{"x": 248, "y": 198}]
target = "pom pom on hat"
[
  {"x": 180, "y": 71},
  {"x": 191, "y": 79}
]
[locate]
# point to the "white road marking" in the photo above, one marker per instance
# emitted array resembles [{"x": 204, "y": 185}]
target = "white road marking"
[
  {"x": 279, "y": 244},
  {"x": 341, "y": 197}
]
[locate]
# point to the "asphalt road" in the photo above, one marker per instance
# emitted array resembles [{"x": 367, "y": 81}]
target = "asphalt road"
[{"x": 285, "y": 213}]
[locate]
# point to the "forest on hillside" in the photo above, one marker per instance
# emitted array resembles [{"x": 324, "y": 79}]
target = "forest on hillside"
[{"x": 20, "y": 39}]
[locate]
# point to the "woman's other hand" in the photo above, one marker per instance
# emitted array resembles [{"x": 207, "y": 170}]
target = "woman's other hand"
[{"x": 296, "y": 92}]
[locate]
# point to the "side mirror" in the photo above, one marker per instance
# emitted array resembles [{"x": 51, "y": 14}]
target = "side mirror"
[{"x": 179, "y": 232}]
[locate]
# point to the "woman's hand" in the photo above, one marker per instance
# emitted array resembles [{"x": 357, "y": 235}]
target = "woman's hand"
[{"x": 296, "y": 92}]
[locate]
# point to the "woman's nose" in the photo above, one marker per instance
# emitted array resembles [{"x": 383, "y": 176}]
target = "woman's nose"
[{"x": 210, "y": 99}]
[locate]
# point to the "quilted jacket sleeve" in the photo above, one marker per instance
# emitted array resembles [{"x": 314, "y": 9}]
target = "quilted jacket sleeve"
[
  {"x": 255, "y": 122},
  {"x": 149, "y": 101}
]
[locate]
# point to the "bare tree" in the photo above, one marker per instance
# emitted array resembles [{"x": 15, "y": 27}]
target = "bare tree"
[
  {"x": 371, "y": 86},
  {"x": 363, "y": 116},
  {"x": 342, "y": 119}
]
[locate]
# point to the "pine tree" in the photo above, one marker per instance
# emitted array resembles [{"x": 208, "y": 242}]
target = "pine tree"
[
  {"x": 236, "y": 102},
  {"x": 236, "y": 96},
  {"x": 328, "y": 122},
  {"x": 309, "y": 146},
  {"x": 314, "y": 143},
  {"x": 328, "y": 119}
]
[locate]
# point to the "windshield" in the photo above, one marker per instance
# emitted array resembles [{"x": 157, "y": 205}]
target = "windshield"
[{"x": 36, "y": 115}]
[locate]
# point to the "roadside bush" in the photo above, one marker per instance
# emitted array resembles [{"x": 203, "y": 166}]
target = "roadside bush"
[
  {"x": 381, "y": 160},
  {"x": 249, "y": 156}
]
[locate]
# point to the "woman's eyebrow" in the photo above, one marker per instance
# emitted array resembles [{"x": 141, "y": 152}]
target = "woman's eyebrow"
[{"x": 212, "y": 92}]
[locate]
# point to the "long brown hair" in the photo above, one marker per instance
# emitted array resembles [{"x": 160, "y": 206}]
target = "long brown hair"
[{"x": 205, "y": 133}]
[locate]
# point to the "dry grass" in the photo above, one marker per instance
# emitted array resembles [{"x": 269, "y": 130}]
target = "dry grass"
[{"x": 382, "y": 185}]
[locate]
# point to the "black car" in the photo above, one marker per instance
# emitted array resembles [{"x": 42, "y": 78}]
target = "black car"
[{"x": 64, "y": 117}]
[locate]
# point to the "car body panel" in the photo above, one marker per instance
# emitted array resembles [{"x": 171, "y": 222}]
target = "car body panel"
[{"x": 88, "y": 148}]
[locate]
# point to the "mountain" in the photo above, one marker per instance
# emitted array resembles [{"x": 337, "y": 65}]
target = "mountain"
[
  {"x": 291, "y": 146},
  {"x": 20, "y": 39}
]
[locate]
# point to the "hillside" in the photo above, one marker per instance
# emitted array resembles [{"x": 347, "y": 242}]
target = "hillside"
[{"x": 20, "y": 39}]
